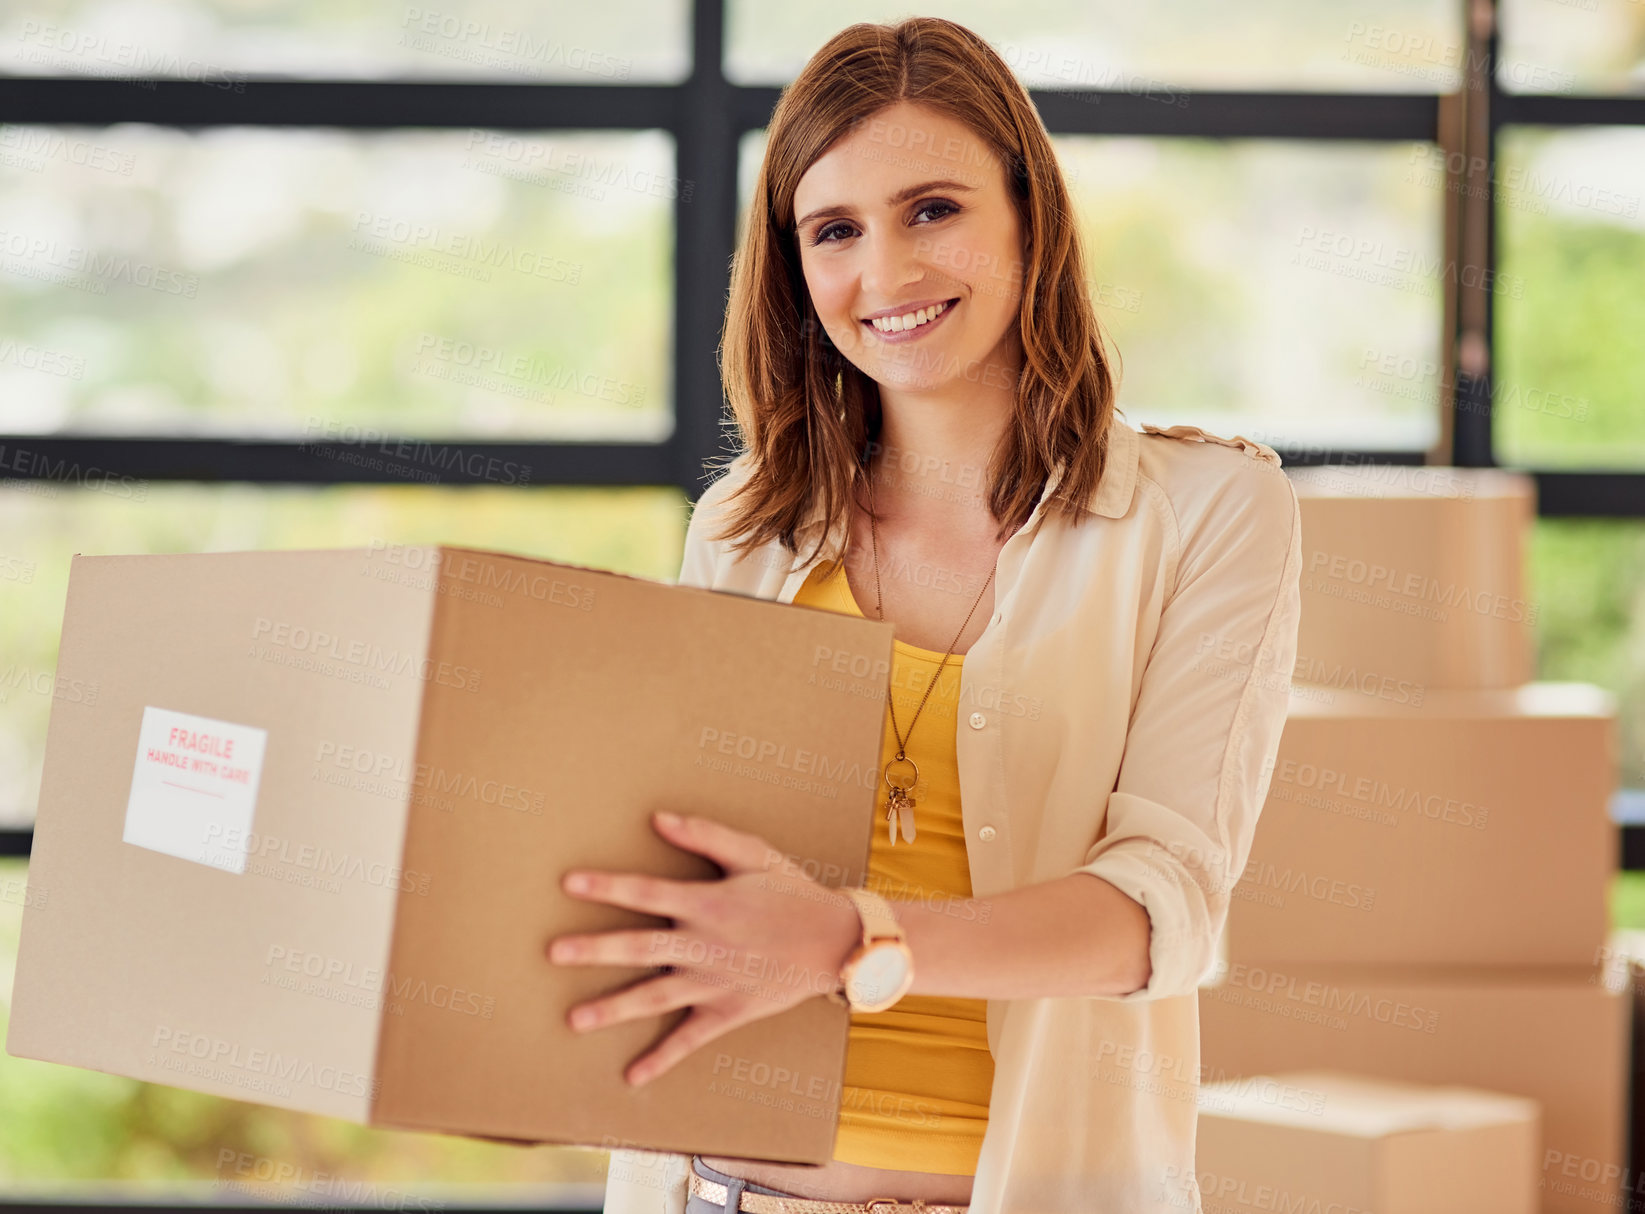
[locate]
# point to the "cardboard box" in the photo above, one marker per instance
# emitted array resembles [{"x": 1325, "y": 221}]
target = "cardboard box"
[
  {"x": 304, "y": 847},
  {"x": 1474, "y": 830},
  {"x": 1336, "y": 1140},
  {"x": 1416, "y": 574},
  {"x": 1558, "y": 1036}
]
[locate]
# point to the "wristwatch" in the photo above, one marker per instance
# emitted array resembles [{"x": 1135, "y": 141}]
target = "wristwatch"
[{"x": 879, "y": 971}]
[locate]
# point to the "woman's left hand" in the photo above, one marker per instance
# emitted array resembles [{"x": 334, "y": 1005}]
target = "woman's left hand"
[{"x": 754, "y": 943}]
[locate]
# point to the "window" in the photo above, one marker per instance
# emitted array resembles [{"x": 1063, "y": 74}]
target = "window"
[
  {"x": 222, "y": 42},
  {"x": 307, "y": 283},
  {"x": 1181, "y": 45},
  {"x": 1572, "y": 46},
  {"x": 1571, "y": 380}
]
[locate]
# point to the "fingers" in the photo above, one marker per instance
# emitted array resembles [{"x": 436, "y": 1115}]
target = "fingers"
[
  {"x": 640, "y": 946},
  {"x": 653, "y": 997},
  {"x": 736, "y": 851},
  {"x": 704, "y": 1024},
  {"x": 636, "y": 891}
]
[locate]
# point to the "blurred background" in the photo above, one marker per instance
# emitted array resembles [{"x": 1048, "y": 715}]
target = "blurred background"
[{"x": 318, "y": 273}]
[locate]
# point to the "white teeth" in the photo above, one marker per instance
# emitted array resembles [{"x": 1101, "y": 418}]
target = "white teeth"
[{"x": 896, "y": 324}]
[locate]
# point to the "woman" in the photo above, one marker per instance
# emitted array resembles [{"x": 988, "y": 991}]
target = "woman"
[{"x": 1095, "y": 632}]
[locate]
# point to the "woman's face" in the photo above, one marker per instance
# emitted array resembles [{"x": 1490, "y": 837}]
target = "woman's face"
[{"x": 909, "y": 214}]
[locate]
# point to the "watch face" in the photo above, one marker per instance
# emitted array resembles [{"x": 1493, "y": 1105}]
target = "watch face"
[{"x": 879, "y": 974}]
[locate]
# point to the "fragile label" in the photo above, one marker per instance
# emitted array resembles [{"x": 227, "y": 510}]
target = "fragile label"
[{"x": 195, "y": 786}]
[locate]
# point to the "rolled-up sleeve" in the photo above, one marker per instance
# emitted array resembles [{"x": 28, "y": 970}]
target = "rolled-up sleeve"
[{"x": 1200, "y": 747}]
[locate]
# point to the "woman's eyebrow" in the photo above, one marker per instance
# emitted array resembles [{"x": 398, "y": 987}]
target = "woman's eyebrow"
[{"x": 899, "y": 197}]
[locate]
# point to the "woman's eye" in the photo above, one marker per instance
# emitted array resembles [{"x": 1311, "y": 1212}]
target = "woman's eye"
[{"x": 826, "y": 233}]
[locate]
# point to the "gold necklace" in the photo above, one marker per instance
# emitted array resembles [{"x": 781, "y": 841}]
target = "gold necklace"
[{"x": 899, "y": 805}]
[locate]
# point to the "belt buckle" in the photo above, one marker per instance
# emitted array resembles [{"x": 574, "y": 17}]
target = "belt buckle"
[{"x": 870, "y": 1206}]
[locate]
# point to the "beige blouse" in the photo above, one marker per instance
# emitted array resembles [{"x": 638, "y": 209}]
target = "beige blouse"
[{"x": 1120, "y": 716}]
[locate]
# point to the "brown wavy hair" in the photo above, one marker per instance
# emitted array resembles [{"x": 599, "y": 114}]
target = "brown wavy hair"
[{"x": 808, "y": 417}]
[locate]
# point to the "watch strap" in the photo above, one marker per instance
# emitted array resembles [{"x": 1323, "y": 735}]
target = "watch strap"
[
  {"x": 878, "y": 920},
  {"x": 878, "y": 923}
]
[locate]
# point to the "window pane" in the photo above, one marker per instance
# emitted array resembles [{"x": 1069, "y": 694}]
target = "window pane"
[
  {"x": 1156, "y": 49},
  {"x": 304, "y": 282},
  {"x": 1572, "y": 46},
  {"x": 636, "y": 531},
  {"x": 223, "y": 41},
  {"x": 1292, "y": 289},
  {"x": 1570, "y": 368},
  {"x": 1588, "y": 579},
  {"x": 1288, "y": 291}
]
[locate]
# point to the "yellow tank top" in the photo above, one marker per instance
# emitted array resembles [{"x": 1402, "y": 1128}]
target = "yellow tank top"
[{"x": 918, "y": 1075}]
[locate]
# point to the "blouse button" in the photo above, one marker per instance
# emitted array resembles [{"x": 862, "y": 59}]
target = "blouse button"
[
  {"x": 986, "y": 833},
  {"x": 998, "y": 616},
  {"x": 978, "y": 720}
]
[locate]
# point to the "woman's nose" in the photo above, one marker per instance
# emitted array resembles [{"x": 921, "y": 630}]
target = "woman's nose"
[{"x": 891, "y": 263}]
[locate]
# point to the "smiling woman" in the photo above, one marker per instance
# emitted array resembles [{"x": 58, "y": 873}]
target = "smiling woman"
[{"x": 909, "y": 316}]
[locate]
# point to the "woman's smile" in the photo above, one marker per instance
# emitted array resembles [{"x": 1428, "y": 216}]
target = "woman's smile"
[{"x": 910, "y": 326}]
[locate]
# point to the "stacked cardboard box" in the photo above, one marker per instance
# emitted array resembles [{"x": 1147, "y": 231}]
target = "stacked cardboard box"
[
  {"x": 1425, "y": 899},
  {"x": 1323, "y": 1140}
]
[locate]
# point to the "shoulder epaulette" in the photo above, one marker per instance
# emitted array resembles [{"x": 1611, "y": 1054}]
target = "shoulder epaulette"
[{"x": 1250, "y": 446}]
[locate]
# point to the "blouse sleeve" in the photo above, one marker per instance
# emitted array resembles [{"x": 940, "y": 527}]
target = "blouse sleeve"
[
  {"x": 697, "y": 561},
  {"x": 1202, "y": 740}
]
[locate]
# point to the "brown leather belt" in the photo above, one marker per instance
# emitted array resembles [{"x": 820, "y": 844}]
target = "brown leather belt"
[{"x": 713, "y": 1192}]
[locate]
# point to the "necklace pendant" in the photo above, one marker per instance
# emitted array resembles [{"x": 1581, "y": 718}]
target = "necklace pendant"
[{"x": 899, "y": 812}]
